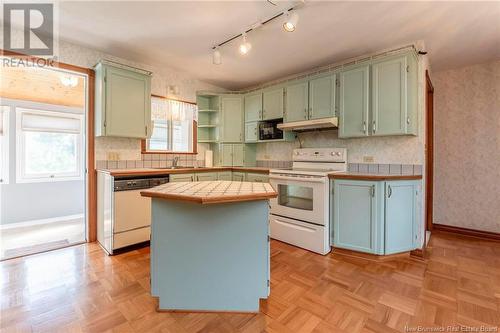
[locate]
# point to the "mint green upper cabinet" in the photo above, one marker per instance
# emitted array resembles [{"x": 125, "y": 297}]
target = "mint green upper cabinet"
[
  {"x": 253, "y": 106},
  {"x": 356, "y": 215},
  {"x": 322, "y": 97},
  {"x": 400, "y": 212},
  {"x": 251, "y": 132},
  {"x": 389, "y": 101},
  {"x": 238, "y": 155},
  {"x": 231, "y": 128},
  {"x": 272, "y": 104},
  {"x": 354, "y": 106},
  {"x": 297, "y": 103},
  {"x": 123, "y": 102}
]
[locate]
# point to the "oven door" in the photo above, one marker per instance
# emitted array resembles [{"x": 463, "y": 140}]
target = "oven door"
[{"x": 300, "y": 197}]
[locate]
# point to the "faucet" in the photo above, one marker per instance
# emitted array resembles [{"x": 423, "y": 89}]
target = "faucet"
[{"x": 175, "y": 161}]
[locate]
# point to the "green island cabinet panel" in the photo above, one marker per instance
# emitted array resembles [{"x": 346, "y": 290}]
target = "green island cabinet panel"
[
  {"x": 354, "y": 102},
  {"x": 356, "y": 215},
  {"x": 238, "y": 176},
  {"x": 251, "y": 131},
  {"x": 257, "y": 177},
  {"x": 206, "y": 176},
  {"x": 272, "y": 107},
  {"x": 123, "y": 102},
  {"x": 400, "y": 216},
  {"x": 182, "y": 177},
  {"x": 389, "y": 100},
  {"x": 322, "y": 97},
  {"x": 224, "y": 175},
  {"x": 253, "y": 106},
  {"x": 231, "y": 127},
  {"x": 297, "y": 103}
]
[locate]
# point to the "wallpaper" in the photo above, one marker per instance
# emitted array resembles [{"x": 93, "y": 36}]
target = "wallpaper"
[
  {"x": 467, "y": 147},
  {"x": 130, "y": 149}
]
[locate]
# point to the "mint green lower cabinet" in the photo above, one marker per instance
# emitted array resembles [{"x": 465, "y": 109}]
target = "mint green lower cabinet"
[
  {"x": 377, "y": 217},
  {"x": 257, "y": 177},
  {"x": 238, "y": 155},
  {"x": 400, "y": 213},
  {"x": 224, "y": 175},
  {"x": 238, "y": 176},
  {"x": 182, "y": 177},
  {"x": 251, "y": 131},
  {"x": 206, "y": 176},
  {"x": 356, "y": 216}
]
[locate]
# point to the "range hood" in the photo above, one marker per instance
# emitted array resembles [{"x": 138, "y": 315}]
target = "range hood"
[{"x": 310, "y": 125}]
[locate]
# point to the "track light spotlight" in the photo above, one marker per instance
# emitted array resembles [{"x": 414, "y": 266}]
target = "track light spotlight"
[
  {"x": 245, "y": 46},
  {"x": 217, "y": 57},
  {"x": 290, "y": 21}
]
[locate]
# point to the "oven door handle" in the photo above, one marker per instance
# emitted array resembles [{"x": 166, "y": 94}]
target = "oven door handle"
[{"x": 298, "y": 179}]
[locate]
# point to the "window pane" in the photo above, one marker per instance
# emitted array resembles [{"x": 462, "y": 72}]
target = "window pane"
[
  {"x": 50, "y": 153},
  {"x": 158, "y": 140},
  {"x": 182, "y": 135}
]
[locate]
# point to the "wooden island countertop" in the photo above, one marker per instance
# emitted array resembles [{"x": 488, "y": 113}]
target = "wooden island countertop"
[{"x": 212, "y": 192}]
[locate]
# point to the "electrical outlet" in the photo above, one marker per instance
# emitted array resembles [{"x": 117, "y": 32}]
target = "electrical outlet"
[
  {"x": 368, "y": 159},
  {"x": 267, "y": 157},
  {"x": 113, "y": 156}
]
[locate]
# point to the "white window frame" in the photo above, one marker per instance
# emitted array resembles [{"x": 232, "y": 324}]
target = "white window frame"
[
  {"x": 170, "y": 133},
  {"x": 4, "y": 142},
  {"x": 21, "y": 177}
]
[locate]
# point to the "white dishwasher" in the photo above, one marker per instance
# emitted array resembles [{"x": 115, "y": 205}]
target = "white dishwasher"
[{"x": 124, "y": 216}]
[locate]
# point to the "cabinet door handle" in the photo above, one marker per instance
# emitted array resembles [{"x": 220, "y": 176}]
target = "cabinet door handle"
[
  {"x": 408, "y": 120},
  {"x": 372, "y": 190},
  {"x": 389, "y": 191},
  {"x": 305, "y": 113},
  {"x": 364, "y": 126},
  {"x": 374, "y": 126}
]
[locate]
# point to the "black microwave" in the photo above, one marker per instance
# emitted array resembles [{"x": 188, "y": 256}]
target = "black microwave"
[{"x": 268, "y": 130}]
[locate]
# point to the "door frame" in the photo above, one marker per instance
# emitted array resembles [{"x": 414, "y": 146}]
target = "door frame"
[
  {"x": 91, "y": 181},
  {"x": 429, "y": 155}
]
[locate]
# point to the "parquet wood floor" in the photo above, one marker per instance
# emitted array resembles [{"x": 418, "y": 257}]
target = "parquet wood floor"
[{"x": 80, "y": 289}]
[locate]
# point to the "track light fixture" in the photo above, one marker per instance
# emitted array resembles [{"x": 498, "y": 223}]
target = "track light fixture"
[
  {"x": 290, "y": 21},
  {"x": 217, "y": 57},
  {"x": 245, "y": 46}
]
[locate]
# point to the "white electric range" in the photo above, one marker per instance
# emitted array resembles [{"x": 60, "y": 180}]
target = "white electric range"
[{"x": 300, "y": 214}]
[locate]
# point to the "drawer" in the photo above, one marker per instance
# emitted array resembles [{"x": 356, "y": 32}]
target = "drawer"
[
  {"x": 305, "y": 235},
  {"x": 131, "y": 237}
]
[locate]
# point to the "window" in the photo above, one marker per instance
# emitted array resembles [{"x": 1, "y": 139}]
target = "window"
[
  {"x": 4, "y": 144},
  {"x": 173, "y": 129},
  {"x": 49, "y": 146}
]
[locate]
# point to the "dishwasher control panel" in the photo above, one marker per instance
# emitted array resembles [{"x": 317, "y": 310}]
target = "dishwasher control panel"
[{"x": 138, "y": 183}]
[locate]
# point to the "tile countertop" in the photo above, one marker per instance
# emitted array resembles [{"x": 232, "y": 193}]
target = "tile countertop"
[
  {"x": 167, "y": 171},
  {"x": 375, "y": 176},
  {"x": 212, "y": 192}
]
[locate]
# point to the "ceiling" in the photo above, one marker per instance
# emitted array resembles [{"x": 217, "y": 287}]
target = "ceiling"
[{"x": 180, "y": 34}]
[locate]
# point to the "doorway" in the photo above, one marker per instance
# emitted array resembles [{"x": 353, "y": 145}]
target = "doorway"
[
  {"x": 429, "y": 156},
  {"x": 43, "y": 189}
]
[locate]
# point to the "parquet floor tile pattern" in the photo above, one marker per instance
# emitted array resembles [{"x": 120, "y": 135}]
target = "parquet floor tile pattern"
[{"x": 80, "y": 289}]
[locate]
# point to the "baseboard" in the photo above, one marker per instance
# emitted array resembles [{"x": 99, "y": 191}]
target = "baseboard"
[
  {"x": 369, "y": 256},
  {"x": 467, "y": 232},
  {"x": 39, "y": 222}
]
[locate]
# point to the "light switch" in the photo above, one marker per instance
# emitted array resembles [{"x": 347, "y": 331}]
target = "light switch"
[{"x": 368, "y": 159}]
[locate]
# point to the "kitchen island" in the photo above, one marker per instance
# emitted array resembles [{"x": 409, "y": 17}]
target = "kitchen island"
[{"x": 210, "y": 245}]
